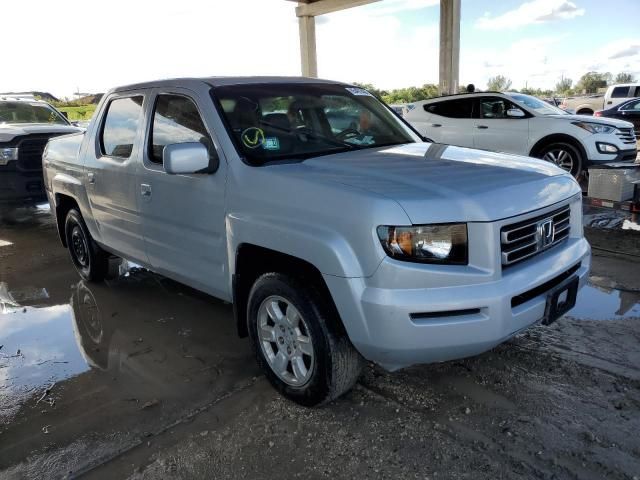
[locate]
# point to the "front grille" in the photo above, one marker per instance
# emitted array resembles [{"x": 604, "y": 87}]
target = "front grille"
[
  {"x": 30, "y": 153},
  {"x": 627, "y": 135},
  {"x": 527, "y": 238}
]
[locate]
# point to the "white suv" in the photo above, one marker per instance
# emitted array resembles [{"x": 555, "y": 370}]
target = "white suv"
[{"x": 525, "y": 125}]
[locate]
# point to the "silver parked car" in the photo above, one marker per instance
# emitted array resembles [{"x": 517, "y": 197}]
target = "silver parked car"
[{"x": 337, "y": 233}]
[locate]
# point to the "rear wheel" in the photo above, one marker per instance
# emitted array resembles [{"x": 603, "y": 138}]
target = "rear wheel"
[
  {"x": 91, "y": 262},
  {"x": 297, "y": 343},
  {"x": 564, "y": 155}
]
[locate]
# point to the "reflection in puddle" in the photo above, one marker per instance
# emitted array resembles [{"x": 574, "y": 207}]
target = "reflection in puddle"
[
  {"x": 38, "y": 349},
  {"x": 596, "y": 303}
]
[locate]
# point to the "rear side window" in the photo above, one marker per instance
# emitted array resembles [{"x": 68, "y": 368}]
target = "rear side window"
[
  {"x": 176, "y": 120},
  {"x": 461, "y": 108},
  {"x": 620, "y": 92},
  {"x": 121, "y": 126},
  {"x": 637, "y": 92}
]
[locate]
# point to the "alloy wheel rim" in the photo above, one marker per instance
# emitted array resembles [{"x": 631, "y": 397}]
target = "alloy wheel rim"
[
  {"x": 561, "y": 158},
  {"x": 79, "y": 246},
  {"x": 285, "y": 340}
]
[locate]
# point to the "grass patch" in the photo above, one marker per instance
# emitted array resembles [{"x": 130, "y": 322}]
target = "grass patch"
[{"x": 80, "y": 112}]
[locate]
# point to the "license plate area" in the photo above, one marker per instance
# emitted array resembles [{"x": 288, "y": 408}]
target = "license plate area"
[{"x": 560, "y": 300}]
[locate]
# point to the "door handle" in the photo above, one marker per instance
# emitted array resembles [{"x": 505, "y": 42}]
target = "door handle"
[
  {"x": 92, "y": 178},
  {"x": 145, "y": 190},
  {"x": 436, "y": 124},
  {"x": 482, "y": 127}
]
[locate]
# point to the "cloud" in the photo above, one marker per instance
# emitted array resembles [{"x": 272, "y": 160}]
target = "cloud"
[
  {"x": 626, "y": 52},
  {"x": 390, "y": 7},
  {"x": 533, "y": 12},
  {"x": 354, "y": 47}
]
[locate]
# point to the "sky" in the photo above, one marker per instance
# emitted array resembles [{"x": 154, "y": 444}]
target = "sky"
[{"x": 64, "y": 46}]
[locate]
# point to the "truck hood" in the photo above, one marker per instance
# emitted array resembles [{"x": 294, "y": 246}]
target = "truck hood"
[
  {"x": 584, "y": 118},
  {"x": 441, "y": 183},
  {"x": 9, "y": 131}
]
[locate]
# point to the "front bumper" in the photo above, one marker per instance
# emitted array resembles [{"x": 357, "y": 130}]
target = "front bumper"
[
  {"x": 19, "y": 187},
  {"x": 397, "y": 322}
]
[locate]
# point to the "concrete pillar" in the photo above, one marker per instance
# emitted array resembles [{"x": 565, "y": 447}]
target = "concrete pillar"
[
  {"x": 449, "y": 46},
  {"x": 308, "y": 57}
]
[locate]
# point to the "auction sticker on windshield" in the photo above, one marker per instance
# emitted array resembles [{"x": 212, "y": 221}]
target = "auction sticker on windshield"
[{"x": 358, "y": 91}]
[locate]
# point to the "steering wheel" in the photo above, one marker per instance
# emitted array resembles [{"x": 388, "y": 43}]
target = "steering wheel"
[{"x": 346, "y": 133}]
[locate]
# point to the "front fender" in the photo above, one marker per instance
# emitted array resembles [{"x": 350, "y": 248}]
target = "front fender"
[{"x": 320, "y": 246}]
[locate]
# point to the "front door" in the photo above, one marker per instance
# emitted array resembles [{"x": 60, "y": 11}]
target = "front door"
[
  {"x": 111, "y": 169},
  {"x": 495, "y": 130},
  {"x": 631, "y": 113},
  {"x": 183, "y": 215}
]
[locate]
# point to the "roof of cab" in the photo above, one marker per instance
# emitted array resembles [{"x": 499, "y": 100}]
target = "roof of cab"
[{"x": 221, "y": 81}]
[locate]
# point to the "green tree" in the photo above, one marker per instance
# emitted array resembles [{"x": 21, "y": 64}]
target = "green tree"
[
  {"x": 590, "y": 82},
  {"x": 624, "y": 77},
  {"x": 564, "y": 85},
  {"x": 499, "y": 83}
]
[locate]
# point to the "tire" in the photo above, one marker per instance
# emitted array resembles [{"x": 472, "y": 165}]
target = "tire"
[
  {"x": 560, "y": 153},
  {"x": 331, "y": 363},
  {"x": 585, "y": 111},
  {"x": 91, "y": 262}
]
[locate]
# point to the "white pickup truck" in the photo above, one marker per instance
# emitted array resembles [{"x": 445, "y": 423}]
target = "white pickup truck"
[
  {"x": 337, "y": 233},
  {"x": 614, "y": 95}
]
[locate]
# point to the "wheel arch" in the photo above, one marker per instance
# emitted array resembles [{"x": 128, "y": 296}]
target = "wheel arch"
[
  {"x": 252, "y": 261},
  {"x": 64, "y": 203},
  {"x": 558, "y": 137}
]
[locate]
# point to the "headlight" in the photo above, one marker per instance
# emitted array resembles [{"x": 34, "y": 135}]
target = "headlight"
[
  {"x": 595, "y": 127},
  {"x": 8, "y": 154},
  {"x": 445, "y": 243}
]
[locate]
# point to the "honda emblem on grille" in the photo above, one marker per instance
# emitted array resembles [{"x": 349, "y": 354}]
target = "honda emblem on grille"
[{"x": 546, "y": 233}]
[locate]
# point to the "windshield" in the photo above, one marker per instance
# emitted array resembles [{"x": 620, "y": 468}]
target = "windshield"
[
  {"x": 283, "y": 121},
  {"x": 29, "y": 112},
  {"x": 539, "y": 106}
]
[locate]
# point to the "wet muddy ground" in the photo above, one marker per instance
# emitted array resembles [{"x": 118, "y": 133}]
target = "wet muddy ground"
[{"x": 141, "y": 377}]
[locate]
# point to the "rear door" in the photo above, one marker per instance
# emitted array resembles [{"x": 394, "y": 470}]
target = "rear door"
[
  {"x": 111, "y": 168},
  {"x": 494, "y": 130},
  {"x": 183, "y": 215},
  {"x": 451, "y": 121}
]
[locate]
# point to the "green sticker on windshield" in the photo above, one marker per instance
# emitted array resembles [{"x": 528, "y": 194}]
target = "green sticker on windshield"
[{"x": 271, "y": 143}]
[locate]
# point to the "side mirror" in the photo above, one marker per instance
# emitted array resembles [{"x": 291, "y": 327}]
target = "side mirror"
[
  {"x": 65, "y": 115},
  {"x": 186, "y": 158},
  {"x": 515, "y": 113}
]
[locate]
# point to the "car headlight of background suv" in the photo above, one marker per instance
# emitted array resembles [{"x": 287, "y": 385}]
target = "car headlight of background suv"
[
  {"x": 8, "y": 154},
  {"x": 443, "y": 244},
  {"x": 595, "y": 127}
]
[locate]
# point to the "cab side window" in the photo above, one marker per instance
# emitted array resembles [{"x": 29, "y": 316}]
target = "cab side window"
[
  {"x": 620, "y": 92},
  {"x": 121, "y": 126},
  {"x": 176, "y": 120}
]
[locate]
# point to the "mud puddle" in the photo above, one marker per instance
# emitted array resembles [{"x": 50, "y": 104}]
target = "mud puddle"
[{"x": 598, "y": 303}]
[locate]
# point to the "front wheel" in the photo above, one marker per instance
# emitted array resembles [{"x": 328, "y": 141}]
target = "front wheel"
[
  {"x": 91, "y": 262},
  {"x": 564, "y": 155},
  {"x": 298, "y": 344}
]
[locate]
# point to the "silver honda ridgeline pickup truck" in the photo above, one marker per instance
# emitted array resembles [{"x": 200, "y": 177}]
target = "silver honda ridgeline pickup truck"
[{"x": 337, "y": 233}]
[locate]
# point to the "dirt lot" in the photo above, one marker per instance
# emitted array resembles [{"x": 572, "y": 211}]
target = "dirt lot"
[{"x": 141, "y": 377}]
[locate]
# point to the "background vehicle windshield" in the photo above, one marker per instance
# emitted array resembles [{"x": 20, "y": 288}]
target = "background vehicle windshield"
[
  {"x": 281, "y": 121},
  {"x": 533, "y": 103},
  {"x": 29, "y": 112}
]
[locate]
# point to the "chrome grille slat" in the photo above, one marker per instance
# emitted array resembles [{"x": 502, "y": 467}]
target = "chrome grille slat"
[
  {"x": 627, "y": 135},
  {"x": 522, "y": 240}
]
